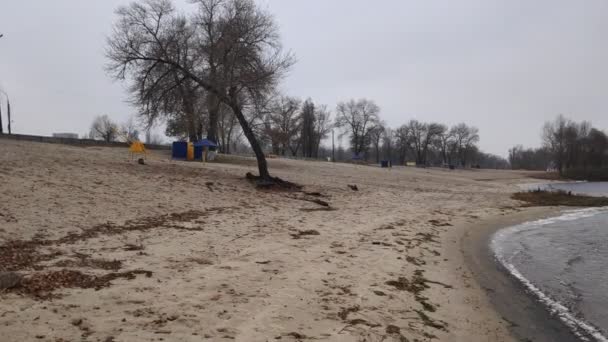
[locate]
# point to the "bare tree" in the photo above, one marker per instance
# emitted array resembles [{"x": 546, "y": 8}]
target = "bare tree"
[
  {"x": 376, "y": 136},
  {"x": 402, "y": 141},
  {"x": 229, "y": 48},
  {"x": 284, "y": 124},
  {"x": 465, "y": 138},
  {"x": 554, "y": 138},
  {"x": 227, "y": 126},
  {"x": 416, "y": 132},
  {"x": 323, "y": 126},
  {"x": 358, "y": 118},
  {"x": 308, "y": 129},
  {"x": 104, "y": 128},
  {"x": 443, "y": 142},
  {"x": 388, "y": 138},
  {"x": 128, "y": 131},
  {"x": 433, "y": 132}
]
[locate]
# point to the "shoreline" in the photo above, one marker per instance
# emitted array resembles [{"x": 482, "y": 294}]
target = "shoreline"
[{"x": 528, "y": 320}]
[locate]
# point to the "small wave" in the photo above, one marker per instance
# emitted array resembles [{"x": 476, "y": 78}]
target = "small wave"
[{"x": 582, "y": 329}]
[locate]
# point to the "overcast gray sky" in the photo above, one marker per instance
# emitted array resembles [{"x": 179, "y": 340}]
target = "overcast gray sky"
[{"x": 503, "y": 66}]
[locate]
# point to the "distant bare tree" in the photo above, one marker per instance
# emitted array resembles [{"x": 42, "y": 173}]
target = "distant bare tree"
[
  {"x": 388, "y": 138},
  {"x": 104, "y": 128},
  {"x": 554, "y": 138},
  {"x": 421, "y": 137},
  {"x": 465, "y": 138},
  {"x": 307, "y": 134},
  {"x": 597, "y": 149},
  {"x": 229, "y": 48},
  {"x": 416, "y": 131},
  {"x": 376, "y": 136},
  {"x": 284, "y": 124},
  {"x": 358, "y": 118},
  {"x": 402, "y": 142},
  {"x": 434, "y": 131},
  {"x": 323, "y": 126},
  {"x": 128, "y": 131},
  {"x": 227, "y": 127},
  {"x": 443, "y": 142}
]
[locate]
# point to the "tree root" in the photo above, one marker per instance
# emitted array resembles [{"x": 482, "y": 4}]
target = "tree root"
[{"x": 272, "y": 182}]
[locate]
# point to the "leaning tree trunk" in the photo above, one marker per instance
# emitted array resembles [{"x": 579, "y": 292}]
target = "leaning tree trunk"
[{"x": 255, "y": 145}]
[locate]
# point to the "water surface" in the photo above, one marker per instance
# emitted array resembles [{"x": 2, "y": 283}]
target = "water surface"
[{"x": 563, "y": 261}]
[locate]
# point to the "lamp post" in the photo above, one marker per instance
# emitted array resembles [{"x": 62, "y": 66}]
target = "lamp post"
[
  {"x": 333, "y": 149},
  {"x": 8, "y": 108}
]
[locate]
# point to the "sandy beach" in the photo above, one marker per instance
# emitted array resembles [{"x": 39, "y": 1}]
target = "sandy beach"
[{"x": 178, "y": 251}]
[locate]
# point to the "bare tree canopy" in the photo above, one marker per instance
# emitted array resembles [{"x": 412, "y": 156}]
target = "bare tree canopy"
[
  {"x": 128, "y": 131},
  {"x": 284, "y": 123},
  {"x": 376, "y": 136},
  {"x": 358, "y": 118},
  {"x": 228, "y": 48},
  {"x": 575, "y": 149},
  {"x": 104, "y": 128},
  {"x": 464, "y": 140}
]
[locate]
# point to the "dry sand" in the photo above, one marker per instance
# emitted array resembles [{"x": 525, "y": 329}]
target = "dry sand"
[{"x": 229, "y": 262}]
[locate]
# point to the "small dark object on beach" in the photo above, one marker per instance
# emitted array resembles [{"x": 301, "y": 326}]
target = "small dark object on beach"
[
  {"x": 353, "y": 187},
  {"x": 134, "y": 247},
  {"x": 301, "y": 233},
  {"x": 319, "y": 202},
  {"x": 297, "y": 335},
  {"x": 343, "y": 314},
  {"x": 392, "y": 329},
  {"x": 9, "y": 280},
  {"x": 141, "y": 161},
  {"x": 438, "y": 223},
  {"x": 360, "y": 321}
]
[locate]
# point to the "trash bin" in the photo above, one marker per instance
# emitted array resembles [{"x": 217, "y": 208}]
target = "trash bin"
[
  {"x": 179, "y": 150},
  {"x": 198, "y": 152}
]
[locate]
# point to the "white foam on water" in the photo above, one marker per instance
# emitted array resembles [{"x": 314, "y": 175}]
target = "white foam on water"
[{"x": 581, "y": 328}]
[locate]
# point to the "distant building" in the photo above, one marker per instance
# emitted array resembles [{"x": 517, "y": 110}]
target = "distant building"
[{"x": 65, "y": 135}]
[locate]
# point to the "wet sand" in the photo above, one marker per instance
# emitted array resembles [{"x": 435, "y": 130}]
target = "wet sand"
[{"x": 528, "y": 319}]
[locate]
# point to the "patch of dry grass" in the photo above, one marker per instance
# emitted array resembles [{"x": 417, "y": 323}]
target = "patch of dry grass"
[{"x": 558, "y": 198}]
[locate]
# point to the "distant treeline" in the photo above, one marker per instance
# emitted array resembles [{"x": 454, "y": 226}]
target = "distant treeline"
[{"x": 576, "y": 150}]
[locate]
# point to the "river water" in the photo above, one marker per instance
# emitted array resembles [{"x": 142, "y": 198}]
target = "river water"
[{"x": 563, "y": 262}]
